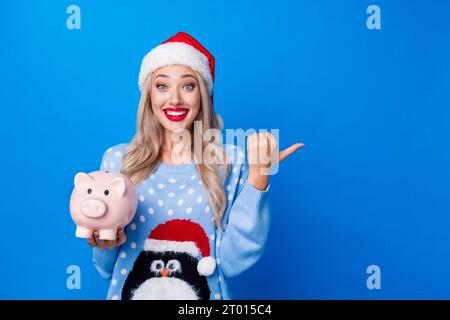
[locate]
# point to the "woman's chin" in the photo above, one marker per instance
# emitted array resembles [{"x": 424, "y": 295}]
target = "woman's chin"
[{"x": 176, "y": 128}]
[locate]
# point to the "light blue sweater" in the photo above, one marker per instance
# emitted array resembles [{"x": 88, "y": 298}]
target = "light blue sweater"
[{"x": 176, "y": 192}]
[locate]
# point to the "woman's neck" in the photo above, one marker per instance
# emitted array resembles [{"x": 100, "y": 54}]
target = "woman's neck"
[{"x": 175, "y": 152}]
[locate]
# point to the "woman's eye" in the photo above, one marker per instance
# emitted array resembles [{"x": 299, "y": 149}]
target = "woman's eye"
[
  {"x": 189, "y": 86},
  {"x": 160, "y": 86}
]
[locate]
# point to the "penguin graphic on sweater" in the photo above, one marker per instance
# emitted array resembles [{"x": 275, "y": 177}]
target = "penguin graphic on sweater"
[{"x": 168, "y": 268}]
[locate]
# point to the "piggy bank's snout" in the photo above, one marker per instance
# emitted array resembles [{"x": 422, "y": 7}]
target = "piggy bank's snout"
[{"x": 93, "y": 208}]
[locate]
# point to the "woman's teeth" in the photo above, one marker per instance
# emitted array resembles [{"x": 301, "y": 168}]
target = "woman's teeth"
[{"x": 176, "y": 113}]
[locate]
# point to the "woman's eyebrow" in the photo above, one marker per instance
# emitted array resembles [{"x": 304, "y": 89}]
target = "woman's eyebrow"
[{"x": 162, "y": 75}]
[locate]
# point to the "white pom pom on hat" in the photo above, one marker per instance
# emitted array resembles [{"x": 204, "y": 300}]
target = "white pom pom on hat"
[{"x": 206, "y": 266}]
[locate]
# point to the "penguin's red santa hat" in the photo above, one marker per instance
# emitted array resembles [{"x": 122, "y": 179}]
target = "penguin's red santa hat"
[{"x": 183, "y": 236}]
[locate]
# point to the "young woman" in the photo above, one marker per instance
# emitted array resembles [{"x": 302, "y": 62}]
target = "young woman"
[{"x": 198, "y": 222}]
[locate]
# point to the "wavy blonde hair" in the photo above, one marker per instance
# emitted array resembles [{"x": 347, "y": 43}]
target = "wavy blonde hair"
[{"x": 144, "y": 153}]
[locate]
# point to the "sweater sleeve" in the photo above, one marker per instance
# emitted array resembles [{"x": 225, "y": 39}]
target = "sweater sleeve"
[
  {"x": 245, "y": 225},
  {"x": 104, "y": 260}
]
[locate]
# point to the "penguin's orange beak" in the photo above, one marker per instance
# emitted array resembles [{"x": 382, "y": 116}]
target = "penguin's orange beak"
[{"x": 164, "y": 272}]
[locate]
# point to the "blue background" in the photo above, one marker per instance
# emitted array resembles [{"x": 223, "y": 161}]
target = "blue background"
[{"x": 371, "y": 186}]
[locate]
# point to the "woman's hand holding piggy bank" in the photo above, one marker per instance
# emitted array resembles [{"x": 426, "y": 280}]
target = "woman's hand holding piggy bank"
[
  {"x": 103, "y": 202},
  {"x": 110, "y": 244}
]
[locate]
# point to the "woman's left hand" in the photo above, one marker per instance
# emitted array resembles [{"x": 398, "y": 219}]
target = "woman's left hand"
[{"x": 263, "y": 154}]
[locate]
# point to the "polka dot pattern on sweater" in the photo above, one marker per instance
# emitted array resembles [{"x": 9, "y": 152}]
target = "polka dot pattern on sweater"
[{"x": 171, "y": 192}]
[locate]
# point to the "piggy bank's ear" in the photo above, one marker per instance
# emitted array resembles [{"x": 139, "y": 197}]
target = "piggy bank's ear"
[
  {"x": 81, "y": 179},
  {"x": 119, "y": 185}
]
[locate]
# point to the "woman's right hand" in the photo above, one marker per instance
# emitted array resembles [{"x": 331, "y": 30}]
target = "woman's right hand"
[{"x": 110, "y": 244}]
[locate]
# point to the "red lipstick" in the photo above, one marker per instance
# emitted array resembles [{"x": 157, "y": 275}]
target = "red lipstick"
[{"x": 176, "y": 114}]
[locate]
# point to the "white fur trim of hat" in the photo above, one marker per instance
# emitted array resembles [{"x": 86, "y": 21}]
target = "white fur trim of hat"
[{"x": 205, "y": 266}]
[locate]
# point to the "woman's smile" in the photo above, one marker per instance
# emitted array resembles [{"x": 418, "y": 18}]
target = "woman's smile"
[{"x": 176, "y": 114}]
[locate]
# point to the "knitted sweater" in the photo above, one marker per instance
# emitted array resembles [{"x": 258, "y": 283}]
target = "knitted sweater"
[{"x": 175, "y": 192}]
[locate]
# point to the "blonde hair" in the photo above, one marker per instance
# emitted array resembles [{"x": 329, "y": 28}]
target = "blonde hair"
[{"x": 144, "y": 153}]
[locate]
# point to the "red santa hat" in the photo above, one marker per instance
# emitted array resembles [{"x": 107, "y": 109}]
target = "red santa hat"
[
  {"x": 181, "y": 49},
  {"x": 186, "y": 236}
]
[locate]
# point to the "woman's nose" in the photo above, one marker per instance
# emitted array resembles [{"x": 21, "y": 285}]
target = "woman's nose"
[{"x": 175, "y": 99}]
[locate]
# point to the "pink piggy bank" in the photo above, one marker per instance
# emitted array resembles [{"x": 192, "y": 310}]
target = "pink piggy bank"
[{"x": 102, "y": 201}]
